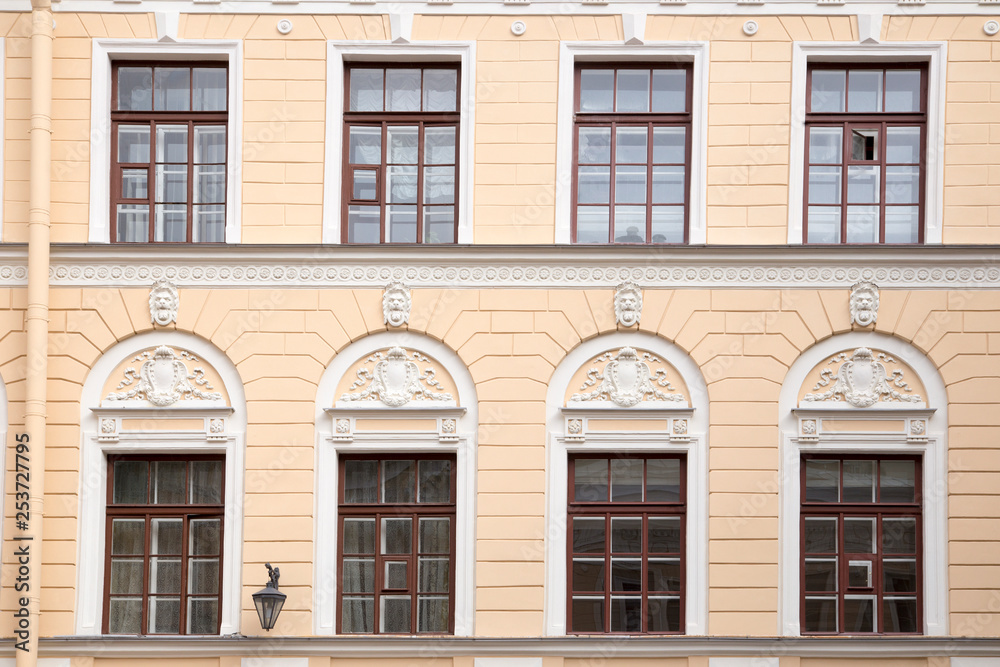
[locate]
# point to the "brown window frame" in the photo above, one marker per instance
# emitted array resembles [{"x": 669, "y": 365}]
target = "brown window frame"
[
  {"x": 610, "y": 509},
  {"x": 866, "y": 120},
  {"x": 189, "y": 118},
  {"x": 384, "y": 119},
  {"x": 879, "y": 511},
  {"x": 379, "y": 510},
  {"x": 613, "y": 120},
  {"x": 149, "y": 511}
]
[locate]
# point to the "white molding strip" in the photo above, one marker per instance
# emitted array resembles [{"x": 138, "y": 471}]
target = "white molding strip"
[{"x": 548, "y": 267}]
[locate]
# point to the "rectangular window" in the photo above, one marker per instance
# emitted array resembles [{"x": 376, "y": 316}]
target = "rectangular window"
[
  {"x": 861, "y": 545},
  {"x": 626, "y": 544},
  {"x": 168, "y": 152},
  {"x": 396, "y": 545},
  {"x": 163, "y": 558},
  {"x": 401, "y": 154},
  {"x": 632, "y": 154},
  {"x": 866, "y": 130}
]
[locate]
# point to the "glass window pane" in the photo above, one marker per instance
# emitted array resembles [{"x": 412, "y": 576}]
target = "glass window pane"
[
  {"x": 626, "y": 574},
  {"x": 630, "y": 224},
  {"x": 592, "y": 224},
  {"x": 359, "y": 536},
  {"x": 203, "y": 576},
  {"x": 432, "y": 575},
  {"x": 432, "y": 614},
  {"x": 821, "y": 535},
  {"x": 899, "y": 615},
  {"x": 169, "y": 482},
  {"x": 859, "y": 614},
  {"x": 398, "y": 481},
  {"x": 171, "y": 89},
  {"x": 668, "y": 224},
  {"x": 828, "y": 91},
  {"x": 864, "y": 144},
  {"x": 439, "y": 145},
  {"x": 824, "y": 224},
  {"x": 663, "y": 480},
  {"x": 439, "y": 224},
  {"x": 357, "y": 615},
  {"x": 395, "y": 574},
  {"x": 171, "y": 183},
  {"x": 365, "y": 89},
  {"x": 133, "y": 223},
  {"x": 203, "y": 616},
  {"x": 820, "y": 615},
  {"x": 124, "y": 616},
  {"x": 597, "y": 89},
  {"x": 900, "y": 576},
  {"x": 902, "y": 185},
  {"x": 862, "y": 184},
  {"x": 134, "y": 184},
  {"x": 899, "y": 536},
  {"x": 864, "y": 91},
  {"x": 593, "y": 185},
  {"x": 209, "y": 89},
  {"x": 859, "y": 574},
  {"x": 403, "y": 144},
  {"x": 397, "y": 536},
  {"x": 669, "y": 91},
  {"x": 859, "y": 535},
  {"x": 668, "y": 185},
  {"x": 165, "y": 575},
  {"x": 402, "y": 226},
  {"x": 440, "y": 89},
  {"x": 434, "y": 481},
  {"x": 588, "y": 535},
  {"x": 171, "y": 143},
  {"x": 171, "y": 223},
  {"x": 402, "y": 89},
  {"x": 590, "y": 480},
  {"x": 594, "y": 145},
  {"x": 626, "y": 614},
  {"x": 824, "y": 185},
  {"x": 669, "y": 145},
  {"x": 435, "y": 535},
  {"x": 626, "y": 480},
  {"x": 363, "y": 224},
  {"x": 826, "y": 145},
  {"x": 902, "y": 145},
  {"x": 204, "y": 538},
  {"x": 439, "y": 185},
  {"x": 633, "y": 90},
  {"x": 664, "y": 574},
  {"x": 902, "y": 91},
  {"x": 360, "y": 481},
  {"x": 587, "y": 614},
  {"x": 166, "y": 536},
  {"x": 663, "y": 535},
  {"x": 630, "y": 184},
  {"x": 126, "y": 576},
  {"x": 897, "y": 481},
  {"x": 631, "y": 144},
  {"x": 131, "y": 482},
  {"x": 401, "y": 185},
  {"x": 133, "y": 144},
  {"x": 664, "y": 615},
  {"x": 626, "y": 535},
  {"x": 135, "y": 88},
  {"x": 395, "y": 613},
  {"x": 209, "y": 223},
  {"x": 588, "y": 574},
  {"x": 210, "y": 184},
  {"x": 210, "y": 144},
  {"x": 366, "y": 145},
  {"x": 859, "y": 481},
  {"x": 822, "y": 481},
  {"x": 862, "y": 224},
  {"x": 821, "y": 575},
  {"x": 359, "y": 575}
]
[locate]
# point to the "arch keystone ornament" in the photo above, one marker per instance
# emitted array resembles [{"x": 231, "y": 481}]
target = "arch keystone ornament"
[
  {"x": 628, "y": 304},
  {"x": 862, "y": 381},
  {"x": 163, "y": 379},
  {"x": 626, "y": 380},
  {"x": 164, "y": 303},
  {"x": 864, "y": 303},
  {"x": 396, "y": 303},
  {"x": 396, "y": 380}
]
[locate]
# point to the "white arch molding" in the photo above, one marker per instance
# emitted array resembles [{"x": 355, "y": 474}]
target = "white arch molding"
[
  {"x": 695, "y": 449},
  {"x": 935, "y": 471},
  {"x": 92, "y": 491},
  {"x": 328, "y": 451}
]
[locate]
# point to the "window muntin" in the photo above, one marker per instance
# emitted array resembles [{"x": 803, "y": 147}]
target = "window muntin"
[
  {"x": 626, "y": 545},
  {"x": 396, "y": 545},
  {"x": 401, "y": 154},
  {"x": 168, "y": 152},
  {"x": 861, "y": 536},
  {"x": 163, "y": 557},
  {"x": 632, "y": 151},
  {"x": 865, "y": 154}
]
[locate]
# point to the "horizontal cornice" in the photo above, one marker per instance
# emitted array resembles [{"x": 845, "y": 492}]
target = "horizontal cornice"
[{"x": 547, "y": 267}]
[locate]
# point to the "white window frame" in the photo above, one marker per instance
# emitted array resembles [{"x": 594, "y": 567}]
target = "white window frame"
[
  {"x": 935, "y": 54},
  {"x": 557, "y": 471},
  {"x": 338, "y": 53},
  {"x": 105, "y": 52},
  {"x": 329, "y": 449},
  {"x": 933, "y": 452},
  {"x": 572, "y": 53},
  {"x": 92, "y": 493}
]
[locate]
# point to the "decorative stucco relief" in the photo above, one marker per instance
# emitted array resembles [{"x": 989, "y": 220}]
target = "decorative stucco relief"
[
  {"x": 626, "y": 379},
  {"x": 164, "y": 303},
  {"x": 394, "y": 378},
  {"x": 864, "y": 303},
  {"x": 862, "y": 380},
  {"x": 628, "y": 304},
  {"x": 396, "y": 304},
  {"x": 164, "y": 378}
]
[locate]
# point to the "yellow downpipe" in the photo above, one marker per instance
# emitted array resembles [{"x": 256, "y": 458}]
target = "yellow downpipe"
[{"x": 37, "y": 315}]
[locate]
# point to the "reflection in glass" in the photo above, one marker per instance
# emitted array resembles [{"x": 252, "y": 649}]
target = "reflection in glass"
[
  {"x": 902, "y": 91},
  {"x": 597, "y": 89},
  {"x": 864, "y": 91},
  {"x": 827, "y": 91},
  {"x": 632, "y": 90},
  {"x": 669, "y": 91},
  {"x": 826, "y": 145}
]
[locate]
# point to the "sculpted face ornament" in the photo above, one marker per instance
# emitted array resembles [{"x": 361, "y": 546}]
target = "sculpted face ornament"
[
  {"x": 396, "y": 304},
  {"x": 396, "y": 380},
  {"x": 163, "y": 303},
  {"x": 626, "y": 381},
  {"x": 864, "y": 303},
  {"x": 628, "y": 304},
  {"x": 862, "y": 381}
]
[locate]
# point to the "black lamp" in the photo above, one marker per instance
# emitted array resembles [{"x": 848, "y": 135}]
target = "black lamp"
[{"x": 269, "y": 600}]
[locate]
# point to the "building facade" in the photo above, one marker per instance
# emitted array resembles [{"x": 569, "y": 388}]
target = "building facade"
[{"x": 512, "y": 333}]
